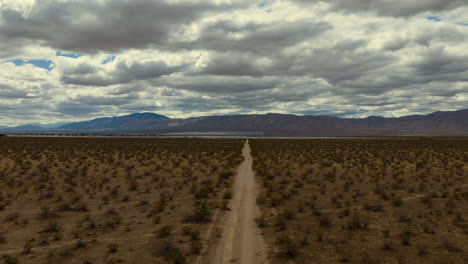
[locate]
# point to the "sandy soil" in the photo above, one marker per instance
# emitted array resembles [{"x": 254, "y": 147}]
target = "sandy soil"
[{"x": 241, "y": 240}]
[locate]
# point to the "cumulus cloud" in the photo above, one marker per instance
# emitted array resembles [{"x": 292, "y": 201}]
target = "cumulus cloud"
[
  {"x": 85, "y": 74},
  {"x": 187, "y": 58}
]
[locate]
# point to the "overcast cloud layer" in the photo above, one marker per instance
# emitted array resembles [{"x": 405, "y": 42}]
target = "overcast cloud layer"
[{"x": 182, "y": 58}]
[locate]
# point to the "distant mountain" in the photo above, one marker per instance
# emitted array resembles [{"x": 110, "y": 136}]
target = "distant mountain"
[
  {"x": 127, "y": 122},
  {"x": 438, "y": 123},
  {"x": 23, "y": 129},
  {"x": 32, "y": 127}
]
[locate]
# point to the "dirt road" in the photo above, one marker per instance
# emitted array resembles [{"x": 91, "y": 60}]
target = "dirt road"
[{"x": 241, "y": 240}]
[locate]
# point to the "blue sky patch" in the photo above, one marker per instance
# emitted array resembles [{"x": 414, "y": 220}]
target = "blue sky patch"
[
  {"x": 266, "y": 6},
  {"x": 434, "y": 18},
  {"x": 45, "y": 64},
  {"x": 69, "y": 54},
  {"x": 108, "y": 59}
]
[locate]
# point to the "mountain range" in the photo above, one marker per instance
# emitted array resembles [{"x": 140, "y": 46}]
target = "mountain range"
[{"x": 438, "y": 123}]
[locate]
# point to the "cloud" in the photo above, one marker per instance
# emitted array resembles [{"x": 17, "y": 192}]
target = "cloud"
[
  {"x": 76, "y": 109},
  {"x": 9, "y": 92},
  {"x": 219, "y": 84},
  {"x": 69, "y": 54},
  {"x": 224, "y": 36},
  {"x": 93, "y": 26},
  {"x": 187, "y": 58},
  {"x": 392, "y": 7},
  {"x": 89, "y": 75}
]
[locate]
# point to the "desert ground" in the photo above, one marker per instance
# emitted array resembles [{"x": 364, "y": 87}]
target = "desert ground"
[
  {"x": 363, "y": 200},
  {"x": 148, "y": 200},
  {"x": 103, "y": 200}
]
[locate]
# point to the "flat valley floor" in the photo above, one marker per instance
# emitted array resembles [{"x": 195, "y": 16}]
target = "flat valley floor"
[{"x": 174, "y": 200}]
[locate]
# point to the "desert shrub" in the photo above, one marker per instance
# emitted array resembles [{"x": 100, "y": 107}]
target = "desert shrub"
[
  {"x": 143, "y": 202},
  {"x": 289, "y": 214},
  {"x": 189, "y": 231},
  {"x": 112, "y": 221},
  {"x": 387, "y": 245},
  {"x": 112, "y": 247},
  {"x": 225, "y": 205},
  {"x": 316, "y": 211},
  {"x": 288, "y": 247},
  {"x": 10, "y": 260},
  {"x": 428, "y": 229},
  {"x": 80, "y": 244},
  {"x": 356, "y": 222},
  {"x": 368, "y": 259},
  {"x": 52, "y": 227},
  {"x": 422, "y": 251},
  {"x": 170, "y": 252},
  {"x": 405, "y": 237},
  {"x": 12, "y": 217},
  {"x": 386, "y": 233},
  {"x": 325, "y": 221},
  {"x": 227, "y": 195},
  {"x": 27, "y": 248},
  {"x": 397, "y": 201},
  {"x": 345, "y": 258},
  {"x": 201, "y": 214},
  {"x": 46, "y": 213},
  {"x": 205, "y": 191},
  {"x": 280, "y": 222},
  {"x": 404, "y": 218},
  {"x": 373, "y": 207},
  {"x": 451, "y": 247},
  {"x": 57, "y": 255},
  {"x": 164, "y": 231},
  {"x": 260, "y": 221},
  {"x": 262, "y": 198},
  {"x": 226, "y": 174},
  {"x": 344, "y": 213},
  {"x": 196, "y": 247},
  {"x": 276, "y": 200}
]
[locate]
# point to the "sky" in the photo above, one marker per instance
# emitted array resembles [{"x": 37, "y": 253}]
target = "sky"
[{"x": 71, "y": 60}]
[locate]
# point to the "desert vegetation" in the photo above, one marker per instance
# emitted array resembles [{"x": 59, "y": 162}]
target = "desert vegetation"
[
  {"x": 103, "y": 200},
  {"x": 363, "y": 200}
]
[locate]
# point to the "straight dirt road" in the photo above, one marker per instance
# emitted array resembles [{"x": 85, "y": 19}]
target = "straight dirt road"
[{"x": 241, "y": 240}]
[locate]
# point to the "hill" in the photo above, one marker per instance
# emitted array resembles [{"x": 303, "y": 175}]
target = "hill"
[{"x": 438, "y": 123}]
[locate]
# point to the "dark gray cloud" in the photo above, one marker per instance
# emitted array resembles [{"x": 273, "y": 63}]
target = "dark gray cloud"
[
  {"x": 9, "y": 92},
  {"x": 91, "y": 26},
  {"x": 105, "y": 100},
  {"x": 74, "y": 109},
  {"x": 219, "y": 84},
  {"x": 237, "y": 64},
  {"x": 88, "y": 75},
  {"x": 391, "y": 7},
  {"x": 261, "y": 39},
  {"x": 438, "y": 63}
]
